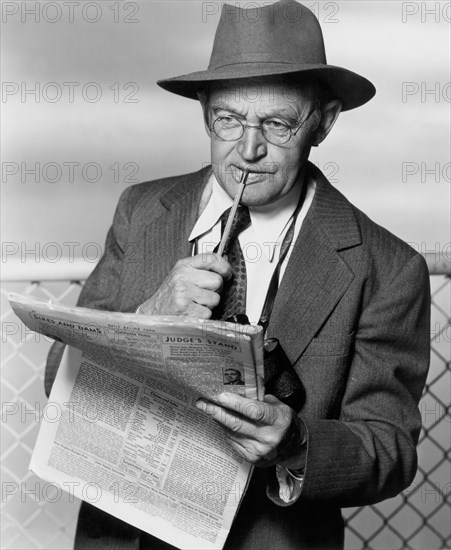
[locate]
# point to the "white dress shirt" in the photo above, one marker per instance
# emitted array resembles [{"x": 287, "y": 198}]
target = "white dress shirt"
[{"x": 260, "y": 242}]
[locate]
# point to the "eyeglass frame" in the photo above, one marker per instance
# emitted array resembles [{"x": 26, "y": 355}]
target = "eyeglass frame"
[{"x": 316, "y": 107}]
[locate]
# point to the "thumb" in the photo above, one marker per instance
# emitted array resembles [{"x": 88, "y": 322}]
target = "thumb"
[{"x": 272, "y": 400}]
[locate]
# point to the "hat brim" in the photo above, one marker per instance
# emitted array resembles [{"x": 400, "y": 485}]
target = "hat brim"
[{"x": 350, "y": 88}]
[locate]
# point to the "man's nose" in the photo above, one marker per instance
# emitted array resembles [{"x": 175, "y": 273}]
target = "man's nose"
[{"x": 252, "y": 144}]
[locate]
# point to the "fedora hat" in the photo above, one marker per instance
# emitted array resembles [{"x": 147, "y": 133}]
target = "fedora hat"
[{"x": 283, "y": 39}]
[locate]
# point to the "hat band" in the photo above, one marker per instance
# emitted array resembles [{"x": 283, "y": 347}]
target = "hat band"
[
  {"x": 263, "y": 57},
  {"x": 249, "y": 63}
]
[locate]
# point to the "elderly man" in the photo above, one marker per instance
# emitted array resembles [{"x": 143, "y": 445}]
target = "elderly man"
[{"x": 348, "y": 301}]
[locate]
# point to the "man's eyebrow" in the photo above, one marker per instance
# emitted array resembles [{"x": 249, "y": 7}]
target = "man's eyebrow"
[
  {"x": 282, "y": 111},
  {"x": 220, "y": 106},
  {"x": 289, "y": 114}
]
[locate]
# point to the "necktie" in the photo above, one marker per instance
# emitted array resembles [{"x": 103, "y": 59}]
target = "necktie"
[{"x": 233, "y": 297}]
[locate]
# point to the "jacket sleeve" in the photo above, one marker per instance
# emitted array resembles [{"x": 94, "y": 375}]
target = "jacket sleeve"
[
  {"x": 369, "y": 453},
  {"x": 102, "y": 287}
]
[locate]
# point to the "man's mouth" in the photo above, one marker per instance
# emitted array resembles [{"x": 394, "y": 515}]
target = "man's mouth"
[{"x": 255, "y": 175}]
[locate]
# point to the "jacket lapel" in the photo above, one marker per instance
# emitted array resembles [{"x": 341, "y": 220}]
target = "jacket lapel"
[
  {"x": 316, "y": 276},
  {"x": 166, "y": 237}
]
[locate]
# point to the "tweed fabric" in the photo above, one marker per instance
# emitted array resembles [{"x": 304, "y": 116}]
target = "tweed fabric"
[{"x": 233, "y": 297}]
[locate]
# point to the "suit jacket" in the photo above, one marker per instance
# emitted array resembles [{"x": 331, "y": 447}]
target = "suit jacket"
[{"x": 351, "y": 313}]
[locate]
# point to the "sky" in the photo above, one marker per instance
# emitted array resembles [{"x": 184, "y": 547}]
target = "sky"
[{"x": 113, "y": 126}]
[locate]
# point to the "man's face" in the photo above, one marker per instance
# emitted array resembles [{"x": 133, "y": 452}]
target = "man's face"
[
  {"x": 273, "y": 169},
  {"x": 232, "y": 375}
]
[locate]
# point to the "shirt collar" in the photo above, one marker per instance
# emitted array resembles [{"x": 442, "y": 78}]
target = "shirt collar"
[
  {"x": 217, "y": 204},
  {"x": 268, "y": 222}
]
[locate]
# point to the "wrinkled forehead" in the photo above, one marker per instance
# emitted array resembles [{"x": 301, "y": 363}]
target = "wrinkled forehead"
[{"x": 274, "y": 94}]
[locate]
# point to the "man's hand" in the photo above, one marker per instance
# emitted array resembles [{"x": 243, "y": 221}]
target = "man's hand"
[
  {"x": 263, "y": 432},
  {"x": 192, "y": 288}
]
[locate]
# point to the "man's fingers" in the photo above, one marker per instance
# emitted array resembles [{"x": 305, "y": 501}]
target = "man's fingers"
[
  {"x": 211, "y": 262},
  {"x": 206, "y": 298},
  {"x": 255, "y": 411},
  {"x": 240, "y": 413},
  {"x": 272, "y": 399},
  {"x": 198, "y": 311},
  {"x": 209, "y": 280},
  {"x": 229, "y": 420}
]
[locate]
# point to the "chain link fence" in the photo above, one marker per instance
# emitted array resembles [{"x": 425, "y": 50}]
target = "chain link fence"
[
  {"x": 36, "y": 514},
  {"x": 419, "y": 518}
]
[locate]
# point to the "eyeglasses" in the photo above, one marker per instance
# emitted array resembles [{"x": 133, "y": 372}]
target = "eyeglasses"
[{"x": 230, "y": 128}]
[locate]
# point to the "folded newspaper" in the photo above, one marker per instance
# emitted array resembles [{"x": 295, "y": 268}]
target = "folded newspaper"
[{"x": 121, "y": 430}]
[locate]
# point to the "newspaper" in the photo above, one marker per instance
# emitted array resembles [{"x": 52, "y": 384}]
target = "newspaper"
[{"x": 121, "y": 430}]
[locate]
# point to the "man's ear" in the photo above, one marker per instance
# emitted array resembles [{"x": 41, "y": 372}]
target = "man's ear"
[{"x": 329, "y": 115}]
